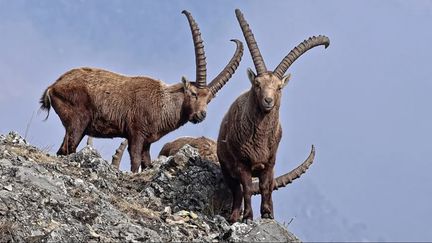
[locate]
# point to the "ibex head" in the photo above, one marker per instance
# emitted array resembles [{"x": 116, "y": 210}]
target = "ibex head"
[
  {"x": 267, "y": 85},
  {"x": 198, "y": 94},
  {"x": 267, "y": 89},
  {"x": 195, "y": 100}
]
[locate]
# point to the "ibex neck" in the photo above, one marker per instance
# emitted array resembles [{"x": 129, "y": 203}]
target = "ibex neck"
[
  {"x": 266, "y": 120},
  {"x": 173, "y": 115}
]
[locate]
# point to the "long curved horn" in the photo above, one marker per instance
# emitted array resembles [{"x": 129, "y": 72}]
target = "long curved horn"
[
  {"x": 289, "y": 177},
  {"x": 201, "y": 70},
  {"x": 116, "y": 158},
  {"x": 252, "y": 45},
  {"x": 298, "y": 51},
  {"x": 217, "y": 83}
]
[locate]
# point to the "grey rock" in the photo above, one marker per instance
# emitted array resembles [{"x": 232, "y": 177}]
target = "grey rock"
[
  {"x": 262, "y": 230},
  {"x": 81, "y": 198},
  {"x": 13, "y": 138},
  {"x": 5, "y": 162},
  {"x": 31, "y": 177},
  {"x": 8, "y": 187}
]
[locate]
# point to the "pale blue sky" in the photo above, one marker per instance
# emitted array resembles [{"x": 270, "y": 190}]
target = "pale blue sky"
[{"x": 364, "y": 102}]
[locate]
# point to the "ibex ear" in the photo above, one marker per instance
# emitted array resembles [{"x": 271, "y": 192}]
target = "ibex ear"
[
  {"x": 251, "y": 75},
  {"x": 186, "y": 83},
  {"x": 286, "y": 79}
]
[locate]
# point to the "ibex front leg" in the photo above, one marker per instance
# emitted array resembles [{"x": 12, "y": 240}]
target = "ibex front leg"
[
  {"x": 246, "y": 181},
  {"x": 145, "y": 156},
  {"x": 135, "y": 151},
  {"x": 266, "y": 188}
]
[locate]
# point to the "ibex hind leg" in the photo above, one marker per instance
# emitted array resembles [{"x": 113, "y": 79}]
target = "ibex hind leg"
[
  {"x": 74, "y": 135},
  {"x": 75, "y": 120},
  {"x": 63, "y": 150},
  {"x": 237, "y": 196},
  {"x": 145, "y": 157},
  {"x": 135, "y": 149}
]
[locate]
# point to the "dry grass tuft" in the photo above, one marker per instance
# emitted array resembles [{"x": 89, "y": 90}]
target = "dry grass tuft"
[
  {"x": 134, "y": 209},
  {"x": 33, "y": 154}
]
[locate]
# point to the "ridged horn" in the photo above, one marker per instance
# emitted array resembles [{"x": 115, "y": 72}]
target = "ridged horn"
[
  {"x": 289, "y": 177},
  {"x": 201, "y": 70},
  {"x": 116, "y": 158},
  {"x": 298, "y": 51},
  {"x": 217, "y": 83},
  {"x": 90, "y": 141},
  {"x": 252, "y": 45}
]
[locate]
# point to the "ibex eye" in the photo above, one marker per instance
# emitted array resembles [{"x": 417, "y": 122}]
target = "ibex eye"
[{"x": 194, "y": 95}]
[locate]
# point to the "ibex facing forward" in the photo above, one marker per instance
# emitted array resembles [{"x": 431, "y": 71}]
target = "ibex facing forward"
[
  {"x": 104, "y": 104},
  {"x": 250, "y": 132}
]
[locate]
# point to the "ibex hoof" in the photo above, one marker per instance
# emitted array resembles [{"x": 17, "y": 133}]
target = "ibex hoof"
[
  {"x": 266, "y": 216},
  {"x": 233, "y": 219},
  {"x": 247, "y": 221}
]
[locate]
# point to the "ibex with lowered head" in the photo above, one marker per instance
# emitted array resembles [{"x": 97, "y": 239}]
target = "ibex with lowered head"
[{"x": 104, "y": 104}]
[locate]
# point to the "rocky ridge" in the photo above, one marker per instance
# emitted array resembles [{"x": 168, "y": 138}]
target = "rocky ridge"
[{"x": 81, "y": 197}]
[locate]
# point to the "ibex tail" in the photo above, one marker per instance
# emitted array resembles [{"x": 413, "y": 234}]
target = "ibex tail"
[{"x": 45, "y": 102}]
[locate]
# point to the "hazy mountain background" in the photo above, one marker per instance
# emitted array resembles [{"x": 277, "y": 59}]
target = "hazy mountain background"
[{"x": 364, "y": 102}]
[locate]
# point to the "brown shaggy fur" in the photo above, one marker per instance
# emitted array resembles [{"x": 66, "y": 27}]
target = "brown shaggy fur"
[
  {"x": 206, "y": 147},
  {"x": 250, "y": 132}
]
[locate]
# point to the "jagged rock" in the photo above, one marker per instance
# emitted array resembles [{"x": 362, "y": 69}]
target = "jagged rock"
[
  {"x": 13, "y": 138},
  {"x": 185, "y": 181},
  {"x": 80, "y": 197},
  {"x": 263, "y": 230}
]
